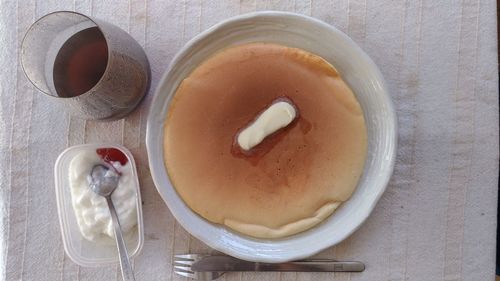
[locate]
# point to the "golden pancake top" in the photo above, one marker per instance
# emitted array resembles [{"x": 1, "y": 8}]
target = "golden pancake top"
[{"x": 292, "y": 180}]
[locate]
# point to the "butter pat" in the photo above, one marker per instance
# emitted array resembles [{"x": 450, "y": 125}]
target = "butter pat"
[{"x": 279, "y": 115}]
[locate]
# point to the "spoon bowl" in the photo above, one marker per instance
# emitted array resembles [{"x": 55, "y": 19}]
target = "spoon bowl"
[{"x": 103, "y": 180}]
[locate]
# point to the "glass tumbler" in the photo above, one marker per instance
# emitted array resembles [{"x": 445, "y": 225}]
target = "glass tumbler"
[{"x": 97, "y": 70}]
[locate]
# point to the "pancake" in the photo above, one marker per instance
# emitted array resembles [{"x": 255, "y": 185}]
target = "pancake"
[{"x": 294, "y": 178}]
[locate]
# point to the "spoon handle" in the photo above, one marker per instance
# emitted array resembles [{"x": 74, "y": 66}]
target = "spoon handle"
[{"x": 127, "y": 273}]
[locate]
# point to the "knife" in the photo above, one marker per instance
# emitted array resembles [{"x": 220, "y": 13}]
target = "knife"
[{"x": 227, "y": 264}]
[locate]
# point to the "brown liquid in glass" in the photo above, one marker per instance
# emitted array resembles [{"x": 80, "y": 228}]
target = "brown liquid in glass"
[{"x": 80, "y": 63}]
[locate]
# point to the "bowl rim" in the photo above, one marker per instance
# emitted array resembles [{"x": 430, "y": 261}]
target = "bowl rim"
[{"x": 223, "y": 244}]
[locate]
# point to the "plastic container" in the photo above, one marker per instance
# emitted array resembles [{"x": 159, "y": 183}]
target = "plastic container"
[{"x": 82, "y": 251}]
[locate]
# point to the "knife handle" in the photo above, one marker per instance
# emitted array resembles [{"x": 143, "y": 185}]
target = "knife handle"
[{"x": 227, "y": 263}]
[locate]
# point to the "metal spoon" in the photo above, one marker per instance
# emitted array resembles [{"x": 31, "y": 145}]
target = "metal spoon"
[{"x": 103, "y": 182}]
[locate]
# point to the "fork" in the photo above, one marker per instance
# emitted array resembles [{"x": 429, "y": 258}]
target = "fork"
[
  {"x": 211, "y": 267},
  {"x": 183, "y": 266}
]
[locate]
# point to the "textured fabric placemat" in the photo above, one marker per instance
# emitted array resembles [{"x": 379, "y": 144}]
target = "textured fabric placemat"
[{"x": 437, "y": 219}]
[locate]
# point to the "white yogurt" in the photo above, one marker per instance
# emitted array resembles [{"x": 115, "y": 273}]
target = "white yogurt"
[
  {"x": 91, "y": 210},
  {"x": 279, "y": 115}
]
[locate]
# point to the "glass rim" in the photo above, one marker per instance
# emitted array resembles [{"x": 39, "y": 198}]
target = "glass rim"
[{"x": 23, "y": 48}]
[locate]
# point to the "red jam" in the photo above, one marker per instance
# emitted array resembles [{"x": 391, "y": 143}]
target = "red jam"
[{"x": 112, "y": 155}]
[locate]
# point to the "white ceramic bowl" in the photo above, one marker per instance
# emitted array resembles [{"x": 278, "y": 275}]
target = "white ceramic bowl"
[{"x": 357, "y": 69}]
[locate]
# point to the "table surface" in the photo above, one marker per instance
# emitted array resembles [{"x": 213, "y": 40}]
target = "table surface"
[{"x": 437, "y": 219}]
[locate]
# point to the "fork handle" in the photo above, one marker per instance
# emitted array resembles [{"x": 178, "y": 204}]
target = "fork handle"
[{"x": 227, "y": 263}]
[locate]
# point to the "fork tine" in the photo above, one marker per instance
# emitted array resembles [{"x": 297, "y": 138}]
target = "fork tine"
[
  {"x": 186, "y": 274},
  {"x": 187, "y": 257},
  {"x": 183, "y": 268},
  {"x": 189, "y": 262}
]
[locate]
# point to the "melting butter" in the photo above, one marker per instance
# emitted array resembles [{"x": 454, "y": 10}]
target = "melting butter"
[{"x": 279, "y": 115}]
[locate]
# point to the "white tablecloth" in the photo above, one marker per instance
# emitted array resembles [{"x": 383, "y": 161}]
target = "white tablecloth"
[{"x": 437, "y": 219}]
